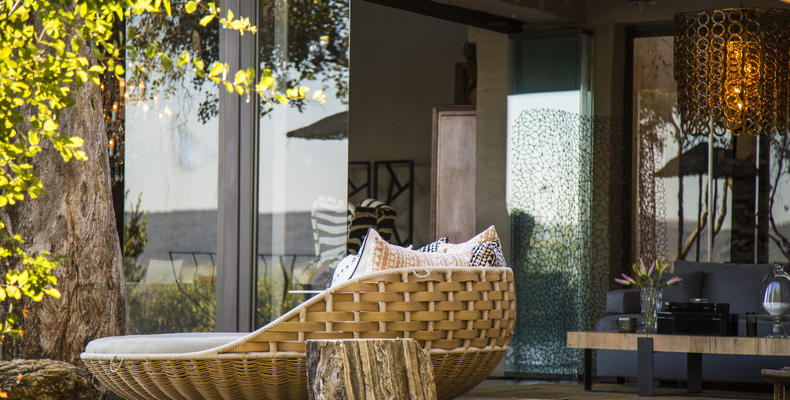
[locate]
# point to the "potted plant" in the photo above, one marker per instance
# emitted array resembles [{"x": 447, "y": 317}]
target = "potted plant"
[{"x": 650, "y": 282}]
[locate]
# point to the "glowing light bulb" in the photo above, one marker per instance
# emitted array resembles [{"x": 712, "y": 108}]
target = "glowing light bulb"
[{"x": 740, "y": 106}]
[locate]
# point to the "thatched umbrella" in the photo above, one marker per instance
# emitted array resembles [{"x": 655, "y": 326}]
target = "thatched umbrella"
[{"x": 333, "y": 127}]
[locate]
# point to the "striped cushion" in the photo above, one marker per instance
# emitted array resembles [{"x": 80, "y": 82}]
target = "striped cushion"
[
  {"x": 362, "y": 219},
  {"x": 330, "y": 223},
  {"x": 370, "y": 213}
]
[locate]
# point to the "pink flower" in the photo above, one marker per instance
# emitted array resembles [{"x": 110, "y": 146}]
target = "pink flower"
[
  {"x": 652, "y": 267},
  {"x": 642, "y": 265},
  {"x": 622, "y": 281},
  {"x": 674, "y": 280},
  {"x": 628, "y": 279}
]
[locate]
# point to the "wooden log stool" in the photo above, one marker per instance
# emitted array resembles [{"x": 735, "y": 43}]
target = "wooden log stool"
[
  {"x": 351, "y": 369},
  {"x": 780, "y": 379}
]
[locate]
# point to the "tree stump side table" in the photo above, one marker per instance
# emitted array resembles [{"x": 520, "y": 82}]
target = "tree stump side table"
[{"x": 346, "y": 369}]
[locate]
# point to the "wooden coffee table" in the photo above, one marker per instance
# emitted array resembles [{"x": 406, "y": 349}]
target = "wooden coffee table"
[{"x": 645, "y": 344}]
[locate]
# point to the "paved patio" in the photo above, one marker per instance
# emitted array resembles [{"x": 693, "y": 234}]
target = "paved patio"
[{"x": 542, "y": 390}]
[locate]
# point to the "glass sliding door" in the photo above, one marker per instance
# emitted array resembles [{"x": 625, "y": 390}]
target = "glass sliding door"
[
  {"x": 303, "y": 158},
  {"x": 171, "y": 142}
]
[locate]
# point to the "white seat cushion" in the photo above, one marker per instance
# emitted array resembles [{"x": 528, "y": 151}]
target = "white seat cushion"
[{"x": 165, "y": 343}]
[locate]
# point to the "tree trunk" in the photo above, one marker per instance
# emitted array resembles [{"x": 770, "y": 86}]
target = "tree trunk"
[
  {"x": 74, "y": 220},
  {"x": 350, "y": 369}
]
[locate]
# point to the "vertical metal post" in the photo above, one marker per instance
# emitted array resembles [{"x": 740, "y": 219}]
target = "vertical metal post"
[
  {"x": 587, "y": 370},
  {"x": 756, "y": 196},
  {"x": 694, "y": 372},
  {"x": 237, "y": 184},
  {"x": 644, "y": 346},
  {"x": 711, "y": 201}
]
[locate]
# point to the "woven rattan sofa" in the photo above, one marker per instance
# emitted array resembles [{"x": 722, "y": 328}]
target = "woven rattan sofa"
[{"x": 463, "y": 317}]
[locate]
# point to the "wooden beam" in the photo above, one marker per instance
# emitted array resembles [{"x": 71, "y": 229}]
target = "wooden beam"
[{"x": 460, "y": 15}]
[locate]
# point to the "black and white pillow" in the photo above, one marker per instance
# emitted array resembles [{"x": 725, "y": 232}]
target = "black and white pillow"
[
  {"x": 487, "y": 254},
  {"x": 433, "y": 247}
]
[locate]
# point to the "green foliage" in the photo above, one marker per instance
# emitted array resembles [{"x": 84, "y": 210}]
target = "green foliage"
[
  {"x": 317, "y": 48},
  {"x": 190, "y": 307},
  {"x": 170, "y": 307},
  {"x": 48, "y": 49},
  {"x": 134, "y": 239}
]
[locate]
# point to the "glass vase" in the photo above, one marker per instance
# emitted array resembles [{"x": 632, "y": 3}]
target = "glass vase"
[
  {"x": 776, "y": 298},
  {"x": 650, "y": 301}
]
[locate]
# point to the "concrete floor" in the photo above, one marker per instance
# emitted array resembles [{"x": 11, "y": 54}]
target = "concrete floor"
[{"x": 502, "y": 389}]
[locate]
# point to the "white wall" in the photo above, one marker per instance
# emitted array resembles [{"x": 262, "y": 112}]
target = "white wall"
[
  {"x": 402, "y": 64},
  {"x": 494, "y": 60}
]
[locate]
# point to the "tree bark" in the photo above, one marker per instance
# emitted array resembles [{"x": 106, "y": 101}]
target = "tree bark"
[
  {"x": 350, "y": 369},
  {"x": 46, "y": 380},
  {"x": 74, "y": 220}
]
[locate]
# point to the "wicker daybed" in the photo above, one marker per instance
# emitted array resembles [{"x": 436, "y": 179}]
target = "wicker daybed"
[{"x": 464, "y": 318}]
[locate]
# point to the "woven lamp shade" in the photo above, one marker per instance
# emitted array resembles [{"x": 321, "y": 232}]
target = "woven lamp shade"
[{"x": 731, "y": 68}]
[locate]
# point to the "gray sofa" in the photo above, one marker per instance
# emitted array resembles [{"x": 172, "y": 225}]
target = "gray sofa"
[{"x": 740, "y": 285}]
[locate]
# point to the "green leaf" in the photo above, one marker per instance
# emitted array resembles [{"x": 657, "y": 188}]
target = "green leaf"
[
  {"x": 205, "y": 20},
  {"x": 75, "y": 141},
  {"x": 150, "y": 50},
  {"x": 167, "y": 63},
  {"x": 13, "y": 292},
  {"x": 167, "y": 8},
  {"x": 183, "y": 58},
  {"x": 50, "y": 125}
]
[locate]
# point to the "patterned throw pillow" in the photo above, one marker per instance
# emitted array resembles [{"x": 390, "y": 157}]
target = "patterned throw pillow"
[
  {"x": 345, "y": 269},
  {"x": 378, "y": 255},
  {"x": 488, "y": 235},
  {"x": 487, "y": 254},
  {"x": 433, "y": 247},
  {"x": 370, "y": 213}
]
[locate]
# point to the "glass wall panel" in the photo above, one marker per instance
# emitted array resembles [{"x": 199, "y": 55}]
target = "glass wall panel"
[
  {"x": 171, "y": 144},
  {"x": 557, "y": 164},
  {"x": 302, "y": 200}
]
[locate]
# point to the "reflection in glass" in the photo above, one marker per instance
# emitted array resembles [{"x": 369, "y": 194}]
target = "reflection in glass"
[
  {"x": 302, "y": 199},
  {"x": 674, "y": 189},
  {"x": 170, "y": 238}
]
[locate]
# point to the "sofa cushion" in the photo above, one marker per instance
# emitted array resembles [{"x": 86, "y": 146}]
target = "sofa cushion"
[
  {"x": 739, "y": 285},
  {"x": 488, "y": 235},
  {"x": 690, "y": 288},
  {"x": 165, "y": 343},
  {"x": 621, "y": 301}
]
